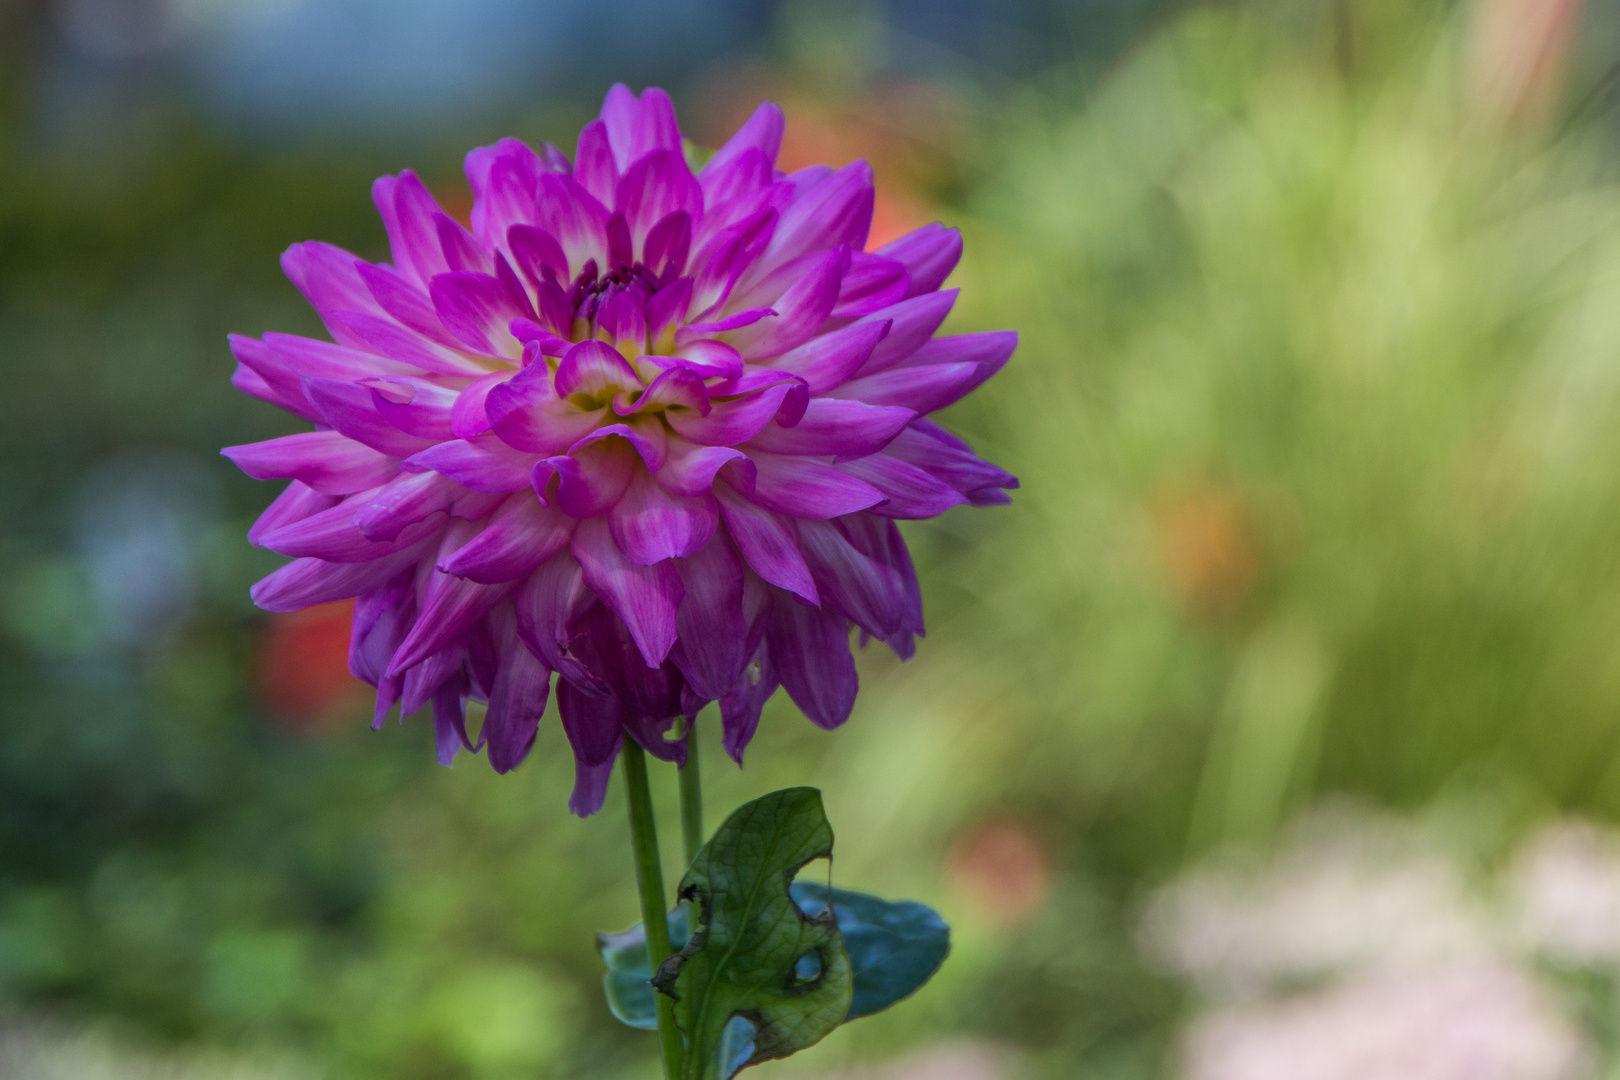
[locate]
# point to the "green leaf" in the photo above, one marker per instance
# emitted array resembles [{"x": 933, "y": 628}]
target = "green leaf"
[
  {"x": 894, "y": 946},
  {"x": 753, "y": 953}
]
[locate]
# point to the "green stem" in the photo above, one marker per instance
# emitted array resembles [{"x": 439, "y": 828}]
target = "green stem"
[
  {"x": 691, "y": 797},
  {"x": 650, "y": 883}
]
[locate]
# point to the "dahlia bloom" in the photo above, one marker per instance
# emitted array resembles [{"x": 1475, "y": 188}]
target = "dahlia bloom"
[{"x": 645, "y": 429}]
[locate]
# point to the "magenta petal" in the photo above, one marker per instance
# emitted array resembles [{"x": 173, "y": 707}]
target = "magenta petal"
[
  {"x": 594, "y": 367},
  {"x": 296, "y": 503},
  {"x": 449, "y": 721},
  {"x": 657, "y": 185},
  {"x": 449, "y": 606},
  {"x": 708, "y": 358},
  {"x": 404, "y": 500},
  {"x": 592, "y": 479},
  {"x": 304, "y": 582},
  {"x": 517, "y": 700},
  {"x": 503, "y": 179},
  {"x": 483, "y": 464},
  {"x": 805, "y": 488},
  {"x": 872, "y": 283},
  {"x": 768, "y": 542},
  {"x": 673, "y": 388},
  {"x": 742, "y": 704},
  {"x": 444, "y": 669},
  {"x": 668, "y": 245},
  {"x": 594, "y": 168},
  {"x": 413, "y": 231},
  {"x": 547, "y": 603},
  {"x": 827, "y": 361},
  {"x": 349, "y": 409},
  {"x": 914, "y": 322},
  {"x": 476, "y": 308},
  {"x": 332, "y": 535},
  {"x": 527, "y": 415},
  {"x": 404, "y": 302},
  {"x": 762, "y": 131},
  {"x": 929, "y": 254},
  {"x": 393, "y": 340},
  {"x": 737, "y": 420},
  {"x": 414, "y": 406},
  {"x": 713, "y": 641},
  {"x": 667, "y": 308},
  {"x": 644, "y": 434},
  {"x": 575, "y": 216},
  {"x": 636, "y": 128},
  {"x": 727, "y": 257},
  {"x": 840, "y": 429},
  {"x": 868, "y": 592},
  {"x": 800, "y": 311},
  {"x": 253, "y": 384},
  {"x": 301, "y": 356},
  {"x": 809, "y": 650},
  {"x": 468, "y": 416},
  {"x": 989, "y": 350},
  {"x": 517, "y": 538},
  {"x": 736, "y": 177},
  {"x": 644, "y": 597},
  {"x": 692, "y": 333},
  {"x": 537, "y": 254},
  {"x": 382, "y": 618},
  {"x": 461, "y": 251},
  {"x": 327, "y": 278},
  {"x": 922, "y": 389},
  {"x": 690, "y": 469},
  {"x": 949, "y": 461},
  {"x": 595, "y": 731},
  {"x": 650, "y": 525},
  {"x": 327, "y": 461},
  {"x": 910, "y": 492},
  {"x": 836, "y": 211}
]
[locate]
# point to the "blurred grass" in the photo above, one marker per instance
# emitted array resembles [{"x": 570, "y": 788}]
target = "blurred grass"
[{"x": 1316, "y": 415}]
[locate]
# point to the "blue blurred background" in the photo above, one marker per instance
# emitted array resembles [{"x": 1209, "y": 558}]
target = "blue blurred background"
[{"x": 1273, "y": 731}]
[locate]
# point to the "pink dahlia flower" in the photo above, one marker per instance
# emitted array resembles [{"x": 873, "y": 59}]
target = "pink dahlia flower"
[{"x": 644, "y": 429}]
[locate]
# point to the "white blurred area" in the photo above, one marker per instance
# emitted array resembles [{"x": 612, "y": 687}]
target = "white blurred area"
[
  {"x": 1368, "y": 947},
  {"x": 34, "y": 1050}
]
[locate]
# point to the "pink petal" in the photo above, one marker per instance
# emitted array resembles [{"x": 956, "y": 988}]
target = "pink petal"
[
  {"x": 915, "y": 321},
  {"x": 388, "y": 337},
  {"x": 809, "y": 650},
  {"x": 406, "y": 303},
  {"x": 909, "y": 491},
  {"x": 595, "y": 732},
  {"x": 712, "y": 645},
  {"x": 450, "y": 605},
  {"x": 295, "y": 503},
  {"x": 537, "y": 254},
  {"x": 469, "y": 416},
  {"x": 868, "y": 592},
  {"x": 841, "y": 429},
  {"x": 349, "y": 409},
  {"x": 636, "y": 128},
  {"x": 332, "y": 535},
  {"x": 951, "y": 462},
  {"x": 740, "y": 175},
  {"x": 547, "y": 603},
  {"x": 415, "y": 406},
  {"x": 575, "y": 217},
  {"x": 650, "y": 525},
  {"x": 517, "y": 700},
  {"x": 476, "y": 308},
  {"x": 517, "y": 538},
  {"x": 768, "y": 542},
  {"x": 827, "y": 361},
  {"x": 836, "y": 211},
  {"x": 644, "y": 597},
  {"x": 594, "y": 168},
  {"x": 411, "y": 213},
  {"x": 690, "y": 469},
  {"x": 304, "y": 582},
  {"x": 804, "y": 488},
  {"x": 657, "y": 185},
  {"x": 327, "y": 278},
  {"x": 922, "y": 389},
  {"x": 929, "y": 254},
  {"x": 736, "y": 420},
  {"x": 484, "y": 464},
  {"x": 668, "y": 245},
  {"x": 527, "y": 415},
  {"x": 724, "y": 260},
  {"x": 503, "y": 179},
  {"x": 801, "y": 310},
  {"x": 404, "y": 500},
  {"x": 331, "y": 463},
  {"x": 762, "y": 132},
  {"x": 593, "y": 478},
  {"x": 673, "y": 388},
  {"x": 872, "y": 283},
  {"x": 594, "y": 368}
]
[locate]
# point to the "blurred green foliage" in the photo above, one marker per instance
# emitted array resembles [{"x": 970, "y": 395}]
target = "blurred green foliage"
[{"x": 1317, "y": 413}]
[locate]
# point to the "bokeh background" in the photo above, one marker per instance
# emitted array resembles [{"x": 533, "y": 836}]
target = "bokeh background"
[{"x": 1273, "y": 731}]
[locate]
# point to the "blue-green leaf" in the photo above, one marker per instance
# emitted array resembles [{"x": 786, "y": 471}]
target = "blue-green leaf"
[{"x": 894, "y": 946}]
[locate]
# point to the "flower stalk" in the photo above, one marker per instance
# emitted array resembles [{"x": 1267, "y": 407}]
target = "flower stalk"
[
  {"x": 650, "y": 884},
  {"x": 691, "y": 797}
]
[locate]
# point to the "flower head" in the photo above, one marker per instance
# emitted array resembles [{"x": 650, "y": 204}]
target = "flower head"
[{"x": 645, "y": 429}]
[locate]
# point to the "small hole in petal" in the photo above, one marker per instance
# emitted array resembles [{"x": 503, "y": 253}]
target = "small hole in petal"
[{"x": 755, "y": 672}]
